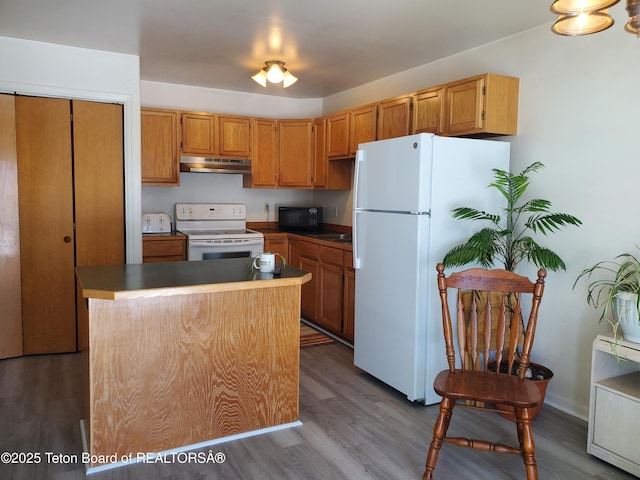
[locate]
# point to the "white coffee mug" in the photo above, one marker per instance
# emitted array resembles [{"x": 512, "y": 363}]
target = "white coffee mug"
[{"x": 265, "y": 262}]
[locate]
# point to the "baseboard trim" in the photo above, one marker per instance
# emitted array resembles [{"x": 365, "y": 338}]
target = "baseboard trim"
[{"x": 172, "y": 453}]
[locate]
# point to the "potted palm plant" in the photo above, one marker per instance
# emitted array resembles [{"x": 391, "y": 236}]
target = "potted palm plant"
[
  {"x": 507, "y": 237},
  {"x": 617, "y": 294}
]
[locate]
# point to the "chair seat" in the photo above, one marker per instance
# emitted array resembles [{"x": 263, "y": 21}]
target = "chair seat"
[{"x": 487, "y": 387}]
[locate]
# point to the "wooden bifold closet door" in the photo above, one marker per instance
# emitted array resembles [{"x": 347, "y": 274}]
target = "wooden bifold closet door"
[{"x": 71, "y": 202}]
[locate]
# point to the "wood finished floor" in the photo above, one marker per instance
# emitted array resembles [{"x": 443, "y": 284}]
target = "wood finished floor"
[{"x": 354, "y": 427}]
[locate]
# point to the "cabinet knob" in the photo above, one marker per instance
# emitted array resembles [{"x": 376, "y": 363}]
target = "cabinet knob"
[{"x": 67, "y": 239}]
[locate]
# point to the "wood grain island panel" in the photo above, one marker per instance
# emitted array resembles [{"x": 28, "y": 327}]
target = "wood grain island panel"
[{"x": 166, "y": 371}]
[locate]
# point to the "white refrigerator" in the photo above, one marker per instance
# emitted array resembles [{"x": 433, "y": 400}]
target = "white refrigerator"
[{"x": 404, "y": 191}]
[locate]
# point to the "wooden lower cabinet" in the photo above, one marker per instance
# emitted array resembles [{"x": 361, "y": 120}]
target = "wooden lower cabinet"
[
  {"x": 279, "y": 245},
  {"x": 330, "y": 289},
  {"x": 164, "y": 248},
  {"x": 327, "y": 300}
]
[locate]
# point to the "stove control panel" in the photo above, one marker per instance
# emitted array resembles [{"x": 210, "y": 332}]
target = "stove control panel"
[{"x": 210, "y": 211}]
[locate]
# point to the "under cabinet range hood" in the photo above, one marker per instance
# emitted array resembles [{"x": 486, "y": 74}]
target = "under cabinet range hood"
[{"x": 215, "y": 165}]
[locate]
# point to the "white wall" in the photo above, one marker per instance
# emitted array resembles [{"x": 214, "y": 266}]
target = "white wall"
[
  {"x": 215, "y": 188},
  {"x": 43, "y": 69},
  {"x": 578, "y": 116}
]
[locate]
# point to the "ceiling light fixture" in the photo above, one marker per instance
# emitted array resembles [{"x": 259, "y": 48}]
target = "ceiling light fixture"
[
  {"x": 275, "y": 72},
  {"x": 584, "y": 17}
]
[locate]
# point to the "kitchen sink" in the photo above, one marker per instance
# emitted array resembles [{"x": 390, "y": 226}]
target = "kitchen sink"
[{"x": 331, "y": 236}]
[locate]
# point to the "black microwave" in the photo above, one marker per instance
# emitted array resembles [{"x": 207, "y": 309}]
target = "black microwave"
[{"x": 300, "y": 218}]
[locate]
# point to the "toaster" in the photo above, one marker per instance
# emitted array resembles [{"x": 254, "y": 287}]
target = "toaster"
[{"x": 156, "y": 222}]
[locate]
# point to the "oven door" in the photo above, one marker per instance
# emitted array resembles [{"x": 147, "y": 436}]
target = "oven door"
[{"x": 228, "y": 248}]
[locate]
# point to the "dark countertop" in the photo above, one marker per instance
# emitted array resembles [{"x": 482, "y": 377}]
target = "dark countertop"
[
  {"x": 330, "y": 236},
  {"x": 114, "y": 282}
]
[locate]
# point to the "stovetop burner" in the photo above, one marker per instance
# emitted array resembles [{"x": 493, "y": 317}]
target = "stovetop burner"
[{"x": 213, "y": 221}]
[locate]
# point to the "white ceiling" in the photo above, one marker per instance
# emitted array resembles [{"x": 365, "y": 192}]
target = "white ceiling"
[{"x": 330, "y": 45}]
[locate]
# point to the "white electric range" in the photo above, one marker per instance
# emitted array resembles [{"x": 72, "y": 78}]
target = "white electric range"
[{"x": 217, "y": 230}]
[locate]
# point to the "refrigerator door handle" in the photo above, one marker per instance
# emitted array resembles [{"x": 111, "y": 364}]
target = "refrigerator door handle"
[
  {"x": 356, "y": 258},
  {"x": 356, "y": 179}
]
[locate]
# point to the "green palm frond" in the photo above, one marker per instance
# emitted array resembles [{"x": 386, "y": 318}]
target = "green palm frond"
[
  {"x": 483, "y": 246},
  {"x": 541, "y": 256},
  {"x": 466, "y": 213},
  {"x": 509, "y": 242},
  {"x": 551, "y": 222}
]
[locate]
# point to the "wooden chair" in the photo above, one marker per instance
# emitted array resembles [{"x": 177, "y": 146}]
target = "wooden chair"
[{"x": 481, "y": 340}]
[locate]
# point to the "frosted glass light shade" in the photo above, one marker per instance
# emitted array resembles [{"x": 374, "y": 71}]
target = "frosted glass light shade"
[
  {"x": 575, "y": 7},
  {"x": 274, "y": 72},
  {"x": 288, "y": 79},
  {"x": 582, "y": 24},
  {"x": 633, "y": 25},
  {"x": 261, "y": 78}
]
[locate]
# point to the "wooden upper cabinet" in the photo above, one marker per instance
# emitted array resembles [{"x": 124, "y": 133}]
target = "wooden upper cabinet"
[
  {"x": 394, "y": 117},
  {"x": 482, "y": 105},
  {"x": 428, "y": 111},
  {"x": 295, "y": 147},
  {"x": 319, "y": 171},
  {"x": 338, "y": 135},
  {"x": 199, "y": 134},
  {"x": 264, "y": 159},
  {"x": 362, "y": 125},
  {"x": 160, "y": 154},
  {"x": 234, "y": 136}
]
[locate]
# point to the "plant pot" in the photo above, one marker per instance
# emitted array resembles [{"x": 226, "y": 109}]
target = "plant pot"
[
  {"x": 626, "y": 313},
  {"x": 507, "y": 411}
]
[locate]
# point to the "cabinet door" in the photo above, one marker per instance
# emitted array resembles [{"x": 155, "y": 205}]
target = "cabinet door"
[
  {"x": 465, "y": 107},
  {"x": 309, "y": 291},
  {"x": 428, "y": 109},
  {"x": 338, "y": 135},
  {"x": 331, "y": 297},
  {"x": 348, "y": 304},
  {"x": 394, "y": 117},
  {"x": 160, "y": 156},
  {"x": 305, "y": 256},
  {"x": 10, "y": 296},
  {"x": 43, "y": 133},
  {"x": 295, "y": 144},
  {"x": 264, "y": 156},
  {"x": 319, "y": 176},
  {"x": 98, "y": 170},
  {"x": 199, "y": 134},
  {"x": 277, "y": 245},
  {"x": 330, "y": 289},
  {"x": 234, "y": 135},
  {"x": 362, "y": 126}
]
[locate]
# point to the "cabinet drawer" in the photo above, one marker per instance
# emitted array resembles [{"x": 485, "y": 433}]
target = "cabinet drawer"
[
  {"x": 331, "y": 255},
  {"x": 309, "y": 250},
  {"x": 617, "y": 421},
  {"x": 173, "y": 247}
]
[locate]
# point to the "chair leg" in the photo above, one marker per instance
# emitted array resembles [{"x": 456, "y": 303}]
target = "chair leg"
[
  {"x": 439, "y": 432},
  {"x": 525, "y": 435}
]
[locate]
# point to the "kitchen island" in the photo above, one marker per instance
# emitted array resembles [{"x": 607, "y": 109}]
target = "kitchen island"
[{"x": 181, "y": 355}]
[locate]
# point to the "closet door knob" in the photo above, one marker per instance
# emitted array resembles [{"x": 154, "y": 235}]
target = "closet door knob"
[{"x": 67, "y": 239}]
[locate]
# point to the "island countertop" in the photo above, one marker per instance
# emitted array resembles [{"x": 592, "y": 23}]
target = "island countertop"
[
  {"x": 179, "y": 355},
  {"x": 114, "y": 282}
]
